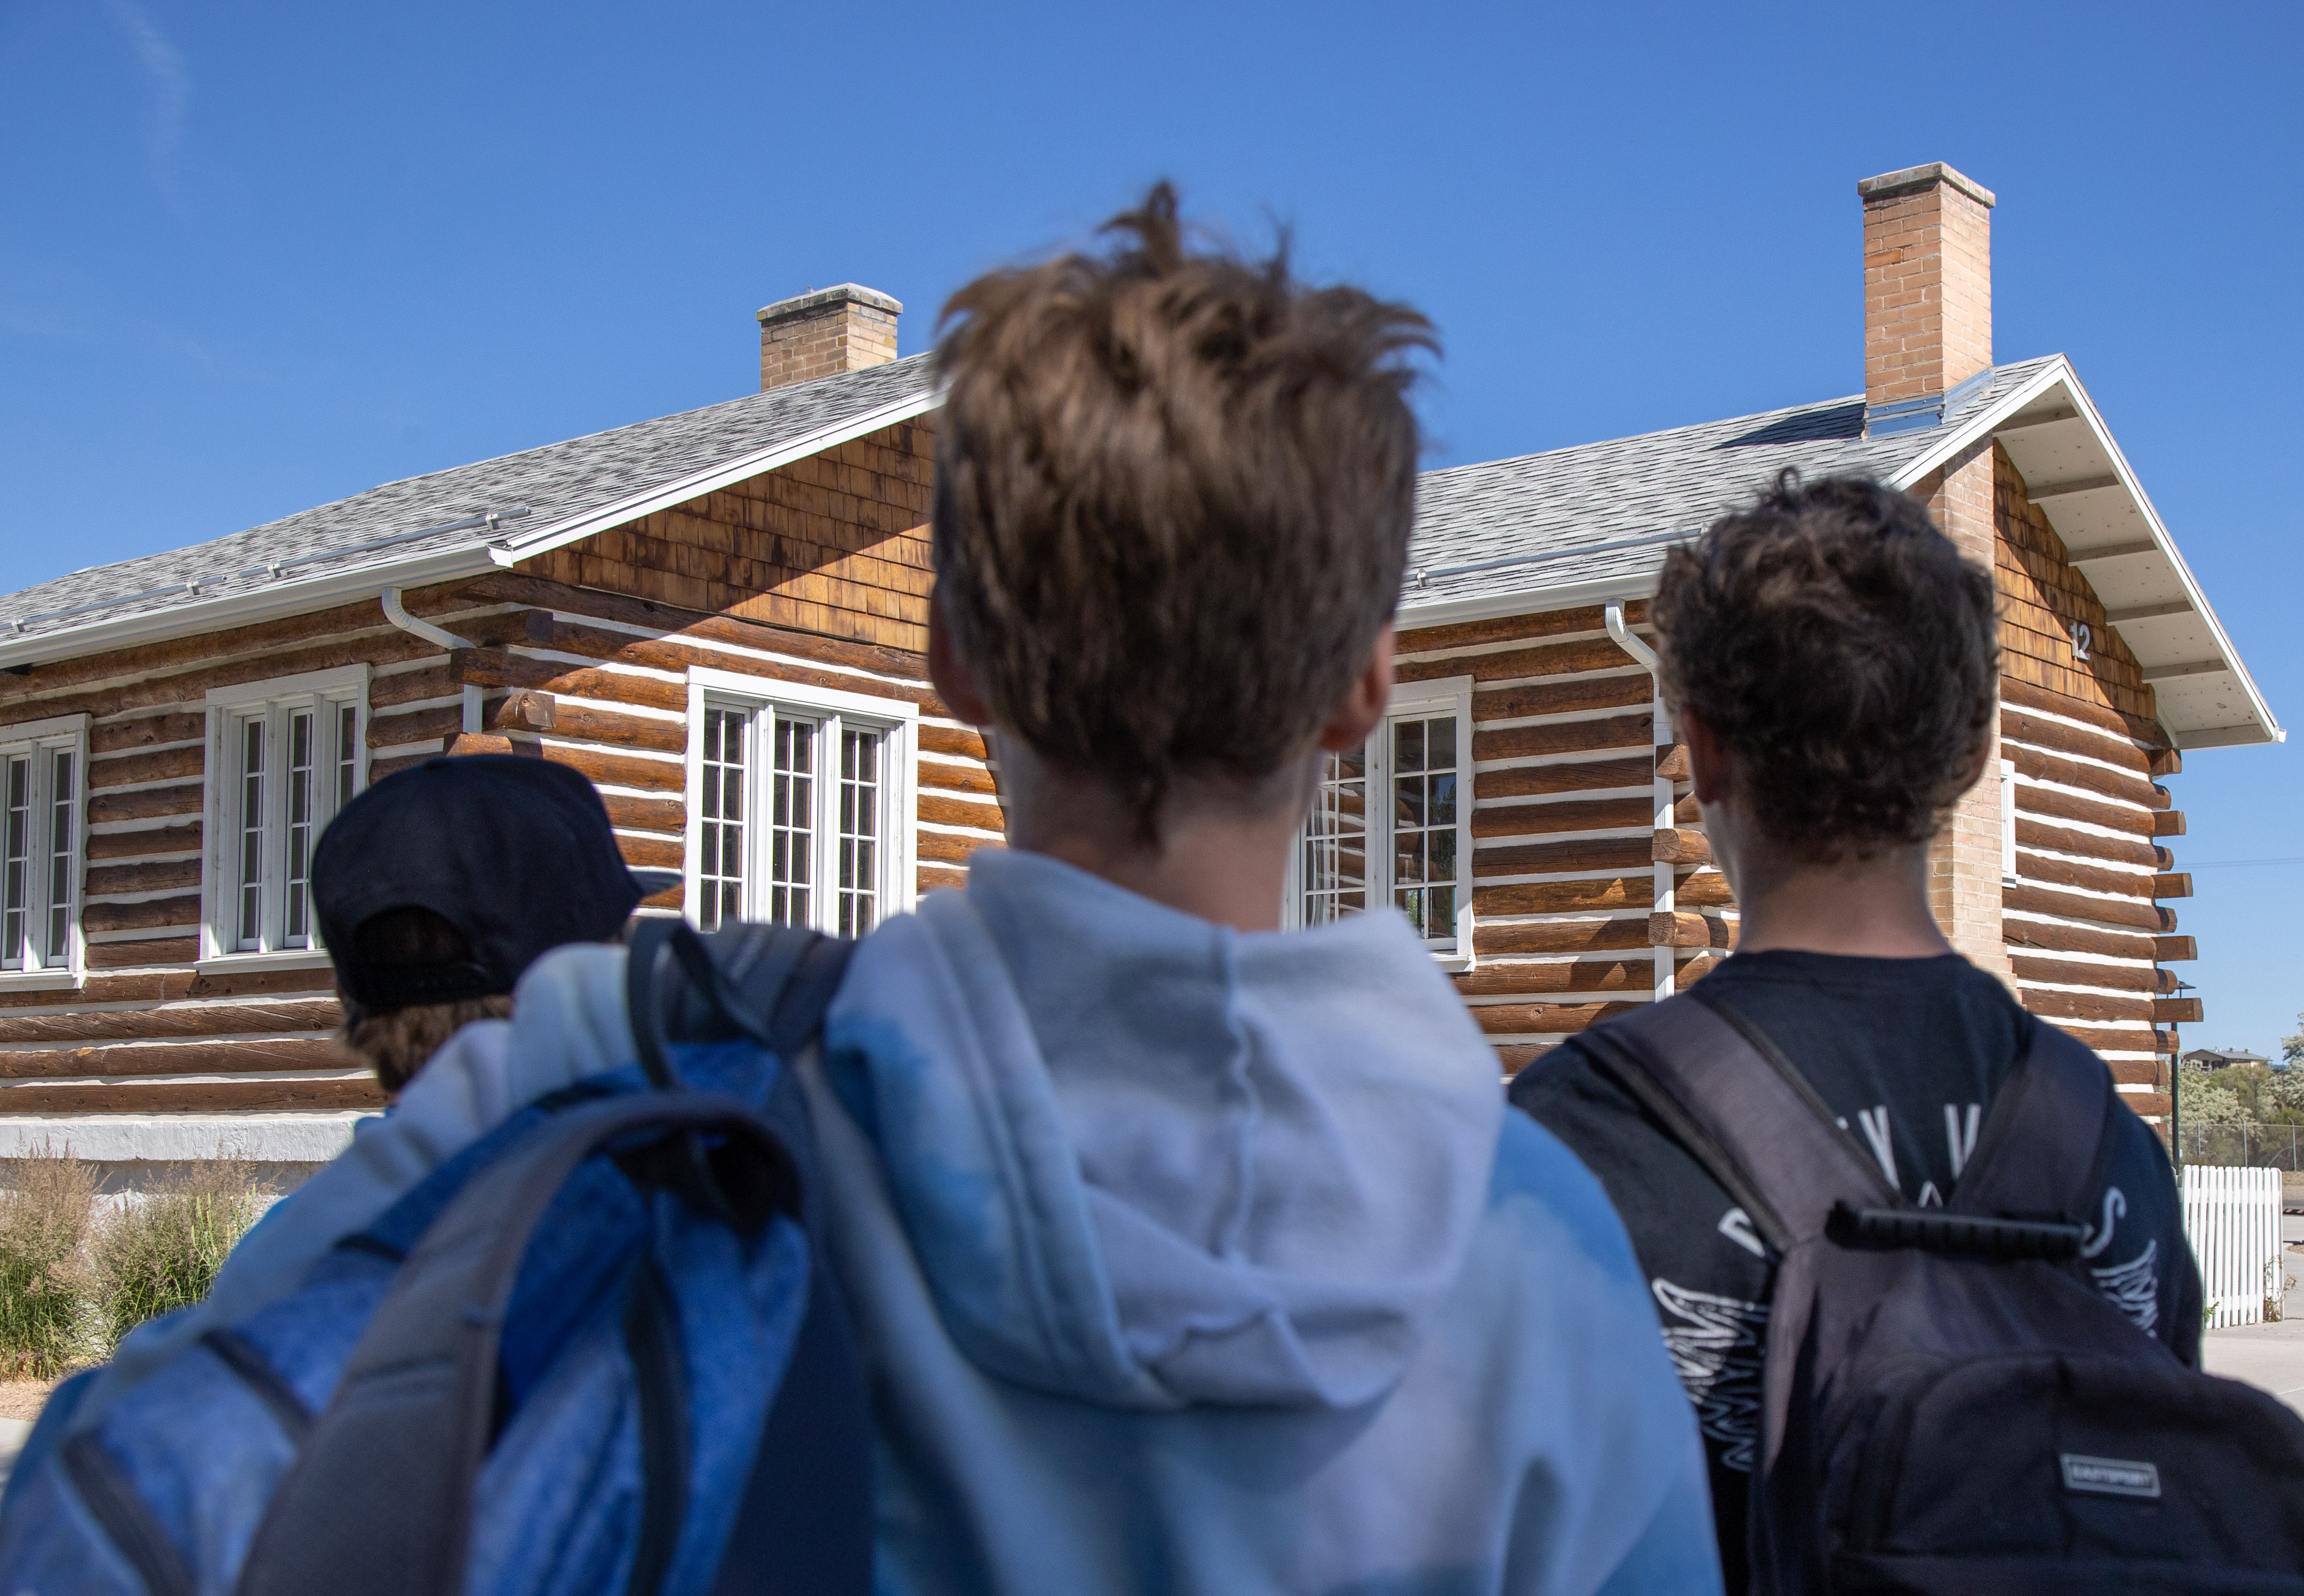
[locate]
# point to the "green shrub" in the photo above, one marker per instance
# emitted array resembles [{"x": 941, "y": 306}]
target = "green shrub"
[
  {"x": 154, "y": 1256},
  {"x": 46, "y": 1294}
]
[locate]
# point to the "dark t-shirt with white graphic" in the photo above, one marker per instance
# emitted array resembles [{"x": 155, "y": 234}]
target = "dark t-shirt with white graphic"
[{"x": 1909, "y": 1052}]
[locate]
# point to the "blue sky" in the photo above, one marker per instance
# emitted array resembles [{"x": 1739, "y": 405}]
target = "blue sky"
[{"x": 256, "y": 257}]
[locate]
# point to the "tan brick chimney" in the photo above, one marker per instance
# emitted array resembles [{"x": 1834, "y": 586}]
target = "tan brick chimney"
[
  {"x": 1927, "y": 328},
  {"x": 826, "y": 332}
]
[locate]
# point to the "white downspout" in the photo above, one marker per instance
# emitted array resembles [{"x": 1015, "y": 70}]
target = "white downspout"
[
  {"x": 1661, "y": 718},
  {"x": 397, "y": 614}
]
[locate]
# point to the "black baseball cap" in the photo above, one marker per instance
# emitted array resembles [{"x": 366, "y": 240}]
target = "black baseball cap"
[{"x": 515, "y": 853}]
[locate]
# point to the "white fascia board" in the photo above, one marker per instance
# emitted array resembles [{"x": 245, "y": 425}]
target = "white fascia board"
[
  {"x": 2060, "y": 373},
  {"x": 509, "y": 551},
  {"x": 268, "y": 602},
  {"x": 1526, "y": 601}
]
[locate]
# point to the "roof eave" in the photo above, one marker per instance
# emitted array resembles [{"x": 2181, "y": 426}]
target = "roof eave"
[{"x": 1524, "y": 601}]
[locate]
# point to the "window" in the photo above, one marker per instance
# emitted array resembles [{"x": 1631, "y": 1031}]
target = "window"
[
  {"x": 1392, "y": 822},
  {"x": 2008, "y": 819},
  {"x": 43, "y": 775},
  {"x": 282, "y": 758},
  {"x": 801, "y": 804}
]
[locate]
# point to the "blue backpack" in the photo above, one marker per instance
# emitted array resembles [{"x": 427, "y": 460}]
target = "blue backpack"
[{"x": 594, "y": 1351}]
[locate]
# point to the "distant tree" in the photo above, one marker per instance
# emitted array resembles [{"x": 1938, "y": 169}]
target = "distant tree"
[
  {"x": 2203, "y": 1100},
  {"x": 2291, "y": 1048}
]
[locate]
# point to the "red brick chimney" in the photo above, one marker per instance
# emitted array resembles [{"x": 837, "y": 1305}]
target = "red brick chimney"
[
  {"x": 826, "y": 332},
  {"x": 1927, "y": 281}
]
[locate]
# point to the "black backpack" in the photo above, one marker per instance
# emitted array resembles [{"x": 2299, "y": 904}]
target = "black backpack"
[{"x": 1949, "y": 1404}]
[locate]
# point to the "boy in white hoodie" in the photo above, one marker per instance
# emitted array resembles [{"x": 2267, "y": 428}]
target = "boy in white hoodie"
[{"x": 1186, "y": 1253}]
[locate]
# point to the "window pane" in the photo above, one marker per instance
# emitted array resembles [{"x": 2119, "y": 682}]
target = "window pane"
[
  {"x": 720, "y": 869},
  {"x": 1335, "y": 866},
  {"x": 16, "y": 862},
  {"x": 1424, "y": 825},
  {"x": 303, "y": 781},
  {"x": 792, "y": 821},
  {"x": 63, "y": 836},
  {"x": 347, "y": 751},
  {"x": 248, "y": 934},
  {"x": 860, "y": 831}
]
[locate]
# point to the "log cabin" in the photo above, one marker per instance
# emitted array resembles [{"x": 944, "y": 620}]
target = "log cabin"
[{"x": 720, "y": 618}]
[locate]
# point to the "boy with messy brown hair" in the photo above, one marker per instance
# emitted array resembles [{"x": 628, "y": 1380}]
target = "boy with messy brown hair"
[{"x": 1183, "y": 1252}]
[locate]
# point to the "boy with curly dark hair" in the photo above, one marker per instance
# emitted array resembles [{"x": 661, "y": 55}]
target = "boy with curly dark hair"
[{"x": 1831, "y": 664}]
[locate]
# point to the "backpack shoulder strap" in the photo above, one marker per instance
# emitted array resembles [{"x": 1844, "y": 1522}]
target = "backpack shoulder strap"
[
  {"x": 2042, "y": 1146},
  {"x": 415, "y": 1405},
  {"x": 1742, "y": 1111}
]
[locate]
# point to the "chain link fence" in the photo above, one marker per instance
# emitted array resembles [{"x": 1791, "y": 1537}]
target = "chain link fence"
[{"x": 2245, "y": 1146}]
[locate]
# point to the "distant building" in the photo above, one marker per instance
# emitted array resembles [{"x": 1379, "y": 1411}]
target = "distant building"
[{"x": 2216, "y": 1059}]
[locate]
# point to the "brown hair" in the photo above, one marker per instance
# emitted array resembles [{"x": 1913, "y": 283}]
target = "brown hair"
[
  {"x": 397, "y": 1042},
  {"x": 1845, "y": 655},
  {"x": 1173, "y": 497}
]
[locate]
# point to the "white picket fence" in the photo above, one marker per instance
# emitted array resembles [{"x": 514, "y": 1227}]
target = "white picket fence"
[{"x": 2232, "y": 1218}]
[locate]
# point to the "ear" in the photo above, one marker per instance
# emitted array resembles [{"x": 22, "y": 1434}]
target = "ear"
[
  {"x": 1356, "y": 713},
  {"x": 1708, "y": 767},
  {"x": 954, "y": 679}
]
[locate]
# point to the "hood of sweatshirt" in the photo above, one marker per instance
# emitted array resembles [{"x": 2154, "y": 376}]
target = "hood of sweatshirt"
[{"x": 1147, "y": 1161}]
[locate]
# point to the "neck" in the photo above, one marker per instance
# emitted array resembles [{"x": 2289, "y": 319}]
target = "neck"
[
  {"x": 1222, "y": 857},
  {"x": 1874, "y": 908}
]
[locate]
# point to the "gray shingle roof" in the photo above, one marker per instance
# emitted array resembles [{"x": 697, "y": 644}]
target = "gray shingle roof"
[
  {"x": 556, "y": 482},
  {"x": 1539, "y": 510}
]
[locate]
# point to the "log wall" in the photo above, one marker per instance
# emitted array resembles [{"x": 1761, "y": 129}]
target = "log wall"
[{"x": 607, "y": 628}]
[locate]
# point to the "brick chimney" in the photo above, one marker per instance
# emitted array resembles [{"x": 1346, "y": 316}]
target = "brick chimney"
[
  {"x": 1927, "y": 328},
  {"x": 826, "y": 332},
  {"x": 1927, "y": 281}
]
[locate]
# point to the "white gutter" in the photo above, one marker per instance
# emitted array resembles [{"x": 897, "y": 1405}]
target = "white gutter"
[
  {"x": 1665, "y": 963},
  {"x": 395, "y": 612}
]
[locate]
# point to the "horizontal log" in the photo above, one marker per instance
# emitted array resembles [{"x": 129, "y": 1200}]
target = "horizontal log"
[
  {"x": 2020, "y": 726},
  {"x": 2128, "y": 912},
  {"x": 170, "y": 986},
  {"x": 2123, "y": 1038},
  {"x": 2162, "y": 858},
  {"x": 1562, "y": 698},
  {"x": 137, "y": 770},
  {"x": 1634, "y": 973},
  {"x": 464, "y": 744},
  {"x": 582, "y": 723},
  {"x": 149, "y": 1025},
  {"x": 176, "y": 1058},
  {"x": 2070, "y": 938},
  {"x": 2133, "y": 1072},
  {"x": 494, "y": 667},
  {"x": 2168, "y": 823},
  {"x": 1706, "y": 889},
  {"x": 2165, "y": 761},
  {"x": 415, "y": 726},
  {"x": 943, "y": 847},
  {"x": 2025, "y": 695},
  {"x": 1627, "y": 853},
  {"x": 2146, "y": 1105},
  {"x": 1578, "y": 776},
  {"x": 378, "y": 769},
  {"x": 409, "y": 687},
  {"x": 2065, "y": 973},
  {"x": 2091, "y": 778},
  {"x": 103, "y": 880},
  {"x": 2173, "y": 884},
  {"x": 2066, "y": 872},
  {"x": 143, "y": 953},
  {"x": 1571, "y": 736},
  {"x": 2038, "y": 836},
  {"x": 1561, "y": 936},
  {"x": 149, "y": 915},
  {"x": 939, "y": 810},
  {"x": 1680, "y": 928},
  {"x": 1691, "y": 971},
  {"x": 958, "y": 778},
  {"x": 2175, "y": 950},
  {"x": 2068, "y": 806},
  {"x": 698, "y": 625},
  {"x": 151, "y": 803},
  {"x": 2086, "y": 1006},
  {"x": 142, "y": 844},
  {"x": 1515, "y": 1056},
  {"x": 1504, "y": 629},
  {"x": 1536, "y": 820},
  {"x": 149, "y": 730},
  {"x": 653, "y": 852},
  {"x": 1547, "y": 659},
  {"x": 1687, "y": 811},
  {"x": 1563, "y": 897},
  {"x": 206, "y": 1097},
  {"x": 528, "y": 710},
  {"x": 606, "y": 768},
  {"x": 932, "y": 878},
  {"x": 627, "y": 814},
  {"x": 1507, "y": 1019},
  {"x": 679, "y": 654},
  {"x": 1676, "y": 846},
  {"x": 2176, "y": 1011},
  {"x": 384, "y": 646},
  {"x": 962, "y": 743},
  {"x": 1671, "y": 763}
]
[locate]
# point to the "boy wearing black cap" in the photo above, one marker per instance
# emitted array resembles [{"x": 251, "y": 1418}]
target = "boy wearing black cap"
[{"x": 436, "y": 888}]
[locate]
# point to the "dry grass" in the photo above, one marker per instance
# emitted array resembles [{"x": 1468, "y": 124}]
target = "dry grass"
[
  {"x": 46, "y": 1305},
  {"x": 162, "y": 1254},
  {"x": 24, "y": 1398}
]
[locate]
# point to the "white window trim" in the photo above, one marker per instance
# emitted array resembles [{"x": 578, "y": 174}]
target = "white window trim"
[
  {"x": 1444, "y": 695},
  {"x": 224, "y": 704},
  {"x": 2008, "y": 875},
  {"x": 33, "y": 736},
  {"x": 722, "y": 689}
]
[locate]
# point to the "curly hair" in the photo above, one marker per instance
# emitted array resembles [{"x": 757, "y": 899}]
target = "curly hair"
[
  {"x": 1173, "y": 495},
  {"x": 1844, "y": 654}
]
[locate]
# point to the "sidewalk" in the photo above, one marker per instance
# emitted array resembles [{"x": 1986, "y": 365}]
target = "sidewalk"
[{"x": 13, "y": 1432}]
